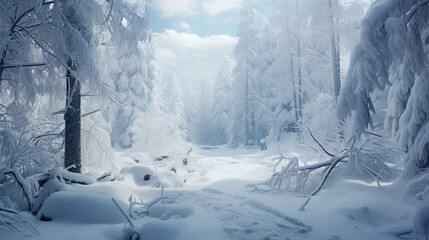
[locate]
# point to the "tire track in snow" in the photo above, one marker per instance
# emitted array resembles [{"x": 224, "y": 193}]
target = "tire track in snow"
[{"x": 243, "y": 218}]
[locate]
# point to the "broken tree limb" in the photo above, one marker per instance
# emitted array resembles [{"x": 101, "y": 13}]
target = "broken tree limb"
[
  {"x": 9, "y": 210},
  {"x": 335, "y": 160},
  {"x": 320, "y": 145}
]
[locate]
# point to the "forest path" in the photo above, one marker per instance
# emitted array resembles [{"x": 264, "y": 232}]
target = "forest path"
[
  {"x": 229, "y": 199},
  {"x": 243, "y": 218}
]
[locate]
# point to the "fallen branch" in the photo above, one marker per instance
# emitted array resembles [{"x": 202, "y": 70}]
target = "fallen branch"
[
  {"x": 4, "y": 209},
  {"x": 320, "y": 145},
  {"x": 335, "y": 160}
]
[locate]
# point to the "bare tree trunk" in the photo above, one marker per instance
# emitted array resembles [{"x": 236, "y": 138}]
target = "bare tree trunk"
[
  {"x": 292, "y": 71},
  {"x": 335, "y": 51},
  {"x": 3, "y": 56},
  {"x": 246, "y": 110},
  {"x": 300, "y": 94},
  {"x": 336, "y": 68},
  {"x": 72, "y": 155},
  {"x": 253, "y": 124}
]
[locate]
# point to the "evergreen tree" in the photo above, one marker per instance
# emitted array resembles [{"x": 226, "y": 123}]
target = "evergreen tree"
[
  {"x": 222, "y": 102},
  {"x": 246, "y": 80},
  {"x": 392, "y": 54}
]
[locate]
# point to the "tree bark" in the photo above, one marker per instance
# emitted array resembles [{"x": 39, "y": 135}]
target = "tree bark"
[
  {"x": 246, "y": 110},
  {"x": 295, "y": 98},
  {"x": 300, "y": 94},
  {"x": 335, "y": 51},
  {"x": 336, "y": 68},
  {"x": 72, "y": 154}
]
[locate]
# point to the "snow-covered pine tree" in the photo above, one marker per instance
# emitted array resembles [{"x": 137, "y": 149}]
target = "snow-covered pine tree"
[
  {"x": 284, "y": 69},
  {"x": 132, "y": 85},
  {"x": 154, "y": 74},
  {"x": 392, "y": 54},
  {"x": 222, "y": 102},
  {"x": 246, "y": 80},
  {"x": 204, "y": 120},
  {"x": 172, "y": 95}
]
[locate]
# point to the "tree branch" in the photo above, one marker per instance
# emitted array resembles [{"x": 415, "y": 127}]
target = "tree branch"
[
  {"x": 86, "y": 114},
  {"x": 18, "y": 65},
  {"x": 335, "y": 160},
  {"x": 320, "y": 145}
]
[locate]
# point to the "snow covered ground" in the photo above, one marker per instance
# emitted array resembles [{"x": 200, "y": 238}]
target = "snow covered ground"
[{"x": 219, "y": 194}]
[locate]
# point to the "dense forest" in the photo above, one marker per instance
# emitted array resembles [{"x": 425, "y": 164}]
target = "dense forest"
[{"x": 321, "y": 111}]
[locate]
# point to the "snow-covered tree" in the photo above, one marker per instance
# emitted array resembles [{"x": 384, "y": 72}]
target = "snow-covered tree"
[
  {"x": 284, "y": 70},
  {"x": 55, "y": 41},
  {"x": 246, "y": 80},
  {"x": 204, "y": 122},
  {"x": 172, "y": 94},
  {"x": 222, "y": 101},
  {"x": 392, "y": 54},
  {"x": 132, "y": 85}
]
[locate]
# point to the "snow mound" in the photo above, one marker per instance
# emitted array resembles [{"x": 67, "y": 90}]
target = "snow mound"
[
  {"x": 81, "y": 208},
  {"x": 161, "y": 230},
  {"x": 169, "y": 179},
  {"x": 167, "y": 211},
  {"x": 146, "y": 176},
  {"x": 178, "y": 221}
]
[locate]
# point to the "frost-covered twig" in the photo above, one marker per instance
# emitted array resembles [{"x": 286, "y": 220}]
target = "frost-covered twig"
[{"x": 123, "y": 213}]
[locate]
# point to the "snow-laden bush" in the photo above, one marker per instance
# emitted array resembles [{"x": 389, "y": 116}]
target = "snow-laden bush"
[
  {"x": 318, "y": 115},
  {"x": 97, "y": 152},
  {"x": 157, "y": 134},
  {"x": 27, "y": 151}
]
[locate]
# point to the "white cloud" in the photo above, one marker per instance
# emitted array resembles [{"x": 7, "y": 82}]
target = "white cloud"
[
  {"x": 214, "y": 7},
  {"x": 185, "y": 26},
  {"x": 170, "y": 8},
  {"x": 195, "y": 57}
]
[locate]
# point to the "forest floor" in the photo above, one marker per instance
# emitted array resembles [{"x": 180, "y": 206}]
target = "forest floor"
[{"x": 220, "y": 194}]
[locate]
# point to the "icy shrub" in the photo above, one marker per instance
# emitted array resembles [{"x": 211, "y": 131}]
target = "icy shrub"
[
  {"x": 318, "y": 116},
  {"x": 97, "y": 152},
  {"x": 25, "y": 151}
]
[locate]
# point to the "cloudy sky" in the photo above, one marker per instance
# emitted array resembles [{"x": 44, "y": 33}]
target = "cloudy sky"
[{"x": 194, "y": 35}]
